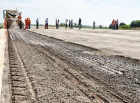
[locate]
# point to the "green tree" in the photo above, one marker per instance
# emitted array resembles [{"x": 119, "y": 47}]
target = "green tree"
[
  {"x": 122, "y": 24},
  {"x": 62, "y": 24},
  {"x": 100, "y": 26},
  {"x": 110, "y": 26},
  {"x": 135, "y": 24},
  {"x": 126, "y": 27}
]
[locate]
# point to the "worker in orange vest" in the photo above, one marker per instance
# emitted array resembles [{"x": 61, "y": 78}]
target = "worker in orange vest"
[
  {"x": 27, "y": 23},
  {"x": 20, "y": 21},
  {"x": 5, "y": 24},
  {"x": 113, "y": 24},
  {"x": 19, "y": 17}
]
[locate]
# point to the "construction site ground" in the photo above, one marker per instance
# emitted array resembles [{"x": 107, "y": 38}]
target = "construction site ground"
[
  {"x": 120, "y": 42},
  {"x": 72, "y": 66}
]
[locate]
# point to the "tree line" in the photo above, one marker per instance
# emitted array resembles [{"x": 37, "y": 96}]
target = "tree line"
[{"x": 134, "y": 24}]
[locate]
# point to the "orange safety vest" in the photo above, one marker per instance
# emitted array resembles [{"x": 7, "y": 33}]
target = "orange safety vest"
[
  {"x": 113, "y": 22},
  {"x": 26, "y": 23},
  {"x": 20, "y": 17}
]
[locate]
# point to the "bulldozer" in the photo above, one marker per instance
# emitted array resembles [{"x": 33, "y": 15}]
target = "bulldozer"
[{"x": 12, "y": 18}]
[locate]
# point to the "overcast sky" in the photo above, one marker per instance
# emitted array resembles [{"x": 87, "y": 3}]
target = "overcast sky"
[{"x": 100, "y": 11}]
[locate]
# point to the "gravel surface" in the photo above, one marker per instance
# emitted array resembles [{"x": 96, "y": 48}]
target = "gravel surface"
[{"x": 55, "y": 71}]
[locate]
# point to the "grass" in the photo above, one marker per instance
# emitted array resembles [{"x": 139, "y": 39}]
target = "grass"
[{"x": 1, "y": 27}]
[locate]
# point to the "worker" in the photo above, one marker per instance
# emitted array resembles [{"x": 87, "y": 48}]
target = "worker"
[
  {"x": 56, "y": 23},
  {"x": 93, "y": 24},
  {"x": 46, "y": 24},
  {"x": 19, "y": 17},
  {"x": 37, "y": 23},
  {"x": 26, "y": 23},
  {"x": 117, "y": 24},
  {"x": 66, "y": 23},
  {"x": 79, "y": 23},
  {"x": 5, "y": 24},
  {"x": 29, "y": 20},
  {"x": 20, "y": 21},
  {"x": 113, "y": 24},
  {"x": 20, "y": 24},
  {"x": 71, "y": 23}
]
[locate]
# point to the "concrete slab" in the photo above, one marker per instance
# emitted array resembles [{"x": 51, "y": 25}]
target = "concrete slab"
[
  {"x": 4, "y": 67},
  {"x": 114, "y": 42}
]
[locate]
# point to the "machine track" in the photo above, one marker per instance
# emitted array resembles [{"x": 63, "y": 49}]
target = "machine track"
[
  {"x": 48, "y": 70},
  {"x": 21, "y": 88}
]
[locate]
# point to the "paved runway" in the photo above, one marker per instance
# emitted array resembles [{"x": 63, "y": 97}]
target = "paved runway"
[{"x": 121, "y": 42}]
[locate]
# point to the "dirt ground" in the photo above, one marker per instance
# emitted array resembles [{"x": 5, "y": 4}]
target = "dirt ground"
[{"x": 44, "y": 69}]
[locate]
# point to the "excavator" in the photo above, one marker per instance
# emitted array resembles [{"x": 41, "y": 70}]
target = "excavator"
[{"x": 12, "y": 19}]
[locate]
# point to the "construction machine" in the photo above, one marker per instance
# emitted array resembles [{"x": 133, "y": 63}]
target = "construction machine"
[{"x": 12, "y": 18}]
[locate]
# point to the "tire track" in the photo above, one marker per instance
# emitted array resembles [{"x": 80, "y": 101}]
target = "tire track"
[{"x": 21, "y": 88}]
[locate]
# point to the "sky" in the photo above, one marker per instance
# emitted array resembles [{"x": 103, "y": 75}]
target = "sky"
[{"x": 100, "y": 11}]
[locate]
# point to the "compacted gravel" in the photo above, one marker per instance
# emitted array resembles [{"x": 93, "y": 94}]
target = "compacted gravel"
[{"x": 48, "y": 70}]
